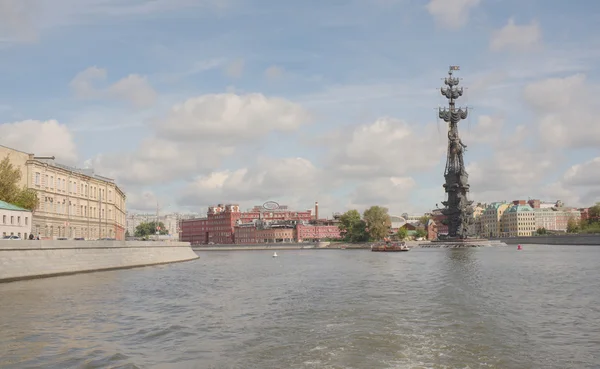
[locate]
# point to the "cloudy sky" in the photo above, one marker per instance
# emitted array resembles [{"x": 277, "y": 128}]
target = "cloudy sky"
[{"x": 193, "y": 102}]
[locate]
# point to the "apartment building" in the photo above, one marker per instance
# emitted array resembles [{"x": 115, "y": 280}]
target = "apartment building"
[{"x": 73, "y": 202}]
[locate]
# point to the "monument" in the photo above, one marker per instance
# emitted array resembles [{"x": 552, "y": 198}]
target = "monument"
[{"x": 458, "y": 208}]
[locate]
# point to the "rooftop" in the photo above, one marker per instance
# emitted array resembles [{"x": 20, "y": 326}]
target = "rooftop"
[
  {"x": 6, "y": 206},
  {"x": 519, "y": 208}
]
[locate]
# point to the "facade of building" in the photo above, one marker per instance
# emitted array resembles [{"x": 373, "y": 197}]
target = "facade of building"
[
  {"x": 74, "y": 202},
  {"x": 226, "y": 224},
  {"x": 308, "y": 232},
  {"x": 14, "y": 221},
  {"x": 491, "y": 220},
  {"x": 518, "y": 220},
  {"x": 170, "y": 220}
]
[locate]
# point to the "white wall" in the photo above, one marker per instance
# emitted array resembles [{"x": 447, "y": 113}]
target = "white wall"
[
  {"x": 15, "y": 222},
  {"x": 34, "y": 259}
]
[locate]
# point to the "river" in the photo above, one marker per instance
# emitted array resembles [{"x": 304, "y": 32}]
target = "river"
[{"x": 428, "y": 308}]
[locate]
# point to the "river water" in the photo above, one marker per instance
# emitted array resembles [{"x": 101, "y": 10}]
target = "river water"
[{"x": 428, "y": 308}]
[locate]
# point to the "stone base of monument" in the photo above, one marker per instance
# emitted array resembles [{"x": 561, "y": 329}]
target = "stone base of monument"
[{"x": 462, "y": 243}]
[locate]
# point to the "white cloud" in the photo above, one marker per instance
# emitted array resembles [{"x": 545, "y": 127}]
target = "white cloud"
[
  {"x": 579, "y": 185},
  {"x": 274, "y": 72},
  {"x": 142, "y": 201},
  {"x": 514, "y": 37},
  {"x": 235, "y": 69},
  {"x": 15, "y": 21},
  {"x": 231, "y": 118},
  {"x": 387, "y": 147},
  {"x": 391, "y": 192},
  {"x": 565, "y": 109},
  {"x": 42, "y": 138},
  {"x": 198, "y": 134},
  {"x": 295, "y": 181},
  {"x": 451, "y": 13},
  {"x": 134, "y": 88}
]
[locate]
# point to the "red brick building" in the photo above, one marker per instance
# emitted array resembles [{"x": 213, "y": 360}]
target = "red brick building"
[
  {"x": 305, "y": 232},
  {"x": 225, "y": 224}
]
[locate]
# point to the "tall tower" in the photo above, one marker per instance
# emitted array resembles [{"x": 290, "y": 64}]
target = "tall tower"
[{"x": 457, "y": 208}]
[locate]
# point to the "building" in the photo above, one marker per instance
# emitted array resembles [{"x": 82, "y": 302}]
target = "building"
[
  {"x": 170, "y": 221},
  {"x": 14, "y": 221},
  {"x": 491, "y": 219},
  {"x": 518, "y": 220},
  {"x": 309, "y": 232},
  {"x": 226, "y": 224},
  {"x": 396, "y": 223},
  {"x": 554, "y": 216},
  {"x": 73, "y": 202}
]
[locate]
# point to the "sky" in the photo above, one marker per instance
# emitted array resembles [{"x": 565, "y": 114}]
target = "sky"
[{"x": 189, "y": 103}]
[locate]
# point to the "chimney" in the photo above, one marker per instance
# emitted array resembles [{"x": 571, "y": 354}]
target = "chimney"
[{"x": 316, "y": 210}]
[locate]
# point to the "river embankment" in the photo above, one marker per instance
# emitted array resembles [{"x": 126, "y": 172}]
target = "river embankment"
[
  {"x": 30, "y": 259},
  {"x": 566, "y": 239},
  {"x": 257, "y": 247}
]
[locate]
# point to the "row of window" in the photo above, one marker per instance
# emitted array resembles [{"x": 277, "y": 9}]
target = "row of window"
[
  {"x": 13, "y": 218},
  {"x": 77, "y": 188}
]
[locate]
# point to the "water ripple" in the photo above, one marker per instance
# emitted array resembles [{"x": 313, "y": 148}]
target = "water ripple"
[{"x": 487, "y": 308}]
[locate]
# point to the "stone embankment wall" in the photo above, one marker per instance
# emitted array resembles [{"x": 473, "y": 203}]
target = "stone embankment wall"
[
  {"x": 570, "y": 239},
  {"x": 257, "y": 246},
  {"x": 34, "y": 259}
]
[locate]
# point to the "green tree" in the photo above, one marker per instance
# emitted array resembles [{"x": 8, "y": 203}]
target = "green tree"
[
  {"x": 594, "y": 213},
  {"x": 402, "y": 233},
  {"x": 572, "y": 225},
  {"x": 541, "y": 231},
  {"x": 9, "y": 187},
  {"x": 420, "y": 233},
  {"x": 424, "y": 219},
  {"x": 145, "y": 229},
  {"x": 352, "y": 228},
  {"x": 378, "y": 221}
]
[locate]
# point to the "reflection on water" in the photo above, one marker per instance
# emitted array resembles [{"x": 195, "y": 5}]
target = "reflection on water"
[{"x": 444, "y": 308}]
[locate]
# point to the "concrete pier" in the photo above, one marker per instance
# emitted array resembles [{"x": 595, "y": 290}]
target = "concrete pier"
[{"x": 37, "y": 259}]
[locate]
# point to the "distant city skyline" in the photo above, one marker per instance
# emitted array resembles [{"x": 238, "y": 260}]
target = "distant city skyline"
[{"x": 184, "y": 102}]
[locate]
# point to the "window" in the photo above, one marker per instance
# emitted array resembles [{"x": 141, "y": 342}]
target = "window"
[
  {"x": 46, "y": 183},
  {"x": 37, "y": 178},
  {"x": 51, "y": 181},
  {"x": 4, "y": 219},
  {"x": 19, "y": 220},
  {"x": 26, "y": 220},
  {"x": 12, "y": 219}
]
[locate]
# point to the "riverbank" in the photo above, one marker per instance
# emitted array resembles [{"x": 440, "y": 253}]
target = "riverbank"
[
  {"x": 48, "y": 258},
  {"x": 567, "y": 239},
  {"x": 256, "y": 247}
]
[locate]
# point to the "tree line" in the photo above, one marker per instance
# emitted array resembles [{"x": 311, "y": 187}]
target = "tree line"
[
  {"x": 10, "y": 192},
  {"x": 146, "y": 229},
  {"x": 590, "y": 225},
  {"x": 374, "y": 225}
]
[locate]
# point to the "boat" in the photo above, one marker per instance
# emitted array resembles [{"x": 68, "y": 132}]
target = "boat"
[
  {"x": 274, "y": 254},
  {"x": 388, "y": 246}
]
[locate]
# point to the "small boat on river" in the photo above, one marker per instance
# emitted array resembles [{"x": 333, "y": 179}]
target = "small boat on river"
[{"x": 388, "y": 246}]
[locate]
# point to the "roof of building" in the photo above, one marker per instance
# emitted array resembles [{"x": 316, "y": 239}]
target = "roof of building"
[
  {"x": 6, "y": 206},
  {"x": 519, "y": 208}
]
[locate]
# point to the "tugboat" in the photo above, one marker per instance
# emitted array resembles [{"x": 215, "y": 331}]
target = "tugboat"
[{"x": 388, "y": 246}]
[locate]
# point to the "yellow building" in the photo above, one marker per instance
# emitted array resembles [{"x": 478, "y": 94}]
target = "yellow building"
[
  {"x": 74, "y": 203},
  {"x": 491, "y": 219},
  {"x": 519, "y": 220}
]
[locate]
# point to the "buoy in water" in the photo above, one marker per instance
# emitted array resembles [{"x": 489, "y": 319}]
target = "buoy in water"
[
  {"x": 274, "y": 254},
  {"x": 519, "y": 247}
]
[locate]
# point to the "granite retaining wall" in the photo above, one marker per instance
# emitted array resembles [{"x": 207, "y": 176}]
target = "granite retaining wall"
[
  {"x": 36, "y": 259},
  {"x": 568, "y": 239}
]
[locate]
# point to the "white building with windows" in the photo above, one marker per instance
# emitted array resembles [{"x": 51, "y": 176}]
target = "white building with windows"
[
  {"x": 73, "y": 202},
  {"x": 14, "y": 221}
]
